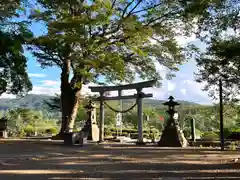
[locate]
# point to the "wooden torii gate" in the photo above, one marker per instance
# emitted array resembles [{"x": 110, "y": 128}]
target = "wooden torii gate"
[{"x": 139, "y": 96}]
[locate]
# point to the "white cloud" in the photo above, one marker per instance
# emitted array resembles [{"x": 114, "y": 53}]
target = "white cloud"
[
  {"x": 163, "y": 71},
  {"x": 10, "y": 96},
  {"x": 50, "y": 83},
  {"x": 183, "y": 91},
  {"x": 37, "y": 75},
  {"x": 45, "y": 90},
  {"x": 171, "y": 86},
  {"x": 182, "y": 40}
]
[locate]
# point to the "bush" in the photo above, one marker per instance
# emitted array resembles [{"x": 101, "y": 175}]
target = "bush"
[
  {"x": 236, "y": 130},
  {"x": 21, "y": 133},
  {"x": 28, "y": 130},
  {"x": 129, "y": 132},
  {"x": 107, "y": 132},
  {"x": 210, "y": 136},
  {"x": 51, "y": 131},
  {"x": 135, "y": 135},
  {"x": 233, "y": 134}
]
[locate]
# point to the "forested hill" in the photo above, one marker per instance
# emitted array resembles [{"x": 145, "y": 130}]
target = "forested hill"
[
  {"x": 32, "y": 101},
  {"x": 36, "y": 102}
]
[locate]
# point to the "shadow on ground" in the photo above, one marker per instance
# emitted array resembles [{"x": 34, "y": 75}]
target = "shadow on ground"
[{"x": 48, "y": 160}]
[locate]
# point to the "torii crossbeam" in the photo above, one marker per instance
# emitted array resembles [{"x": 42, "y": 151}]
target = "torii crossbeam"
[{"x": 139, "y": 96}]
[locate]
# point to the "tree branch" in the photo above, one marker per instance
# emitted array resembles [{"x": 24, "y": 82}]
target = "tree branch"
[
  {"x": 145, "y": 9},
  {"x": 125, "y": 9},
  {"x": 163, "y": 16},
  {"x": 113, "y": 4},
  {"x": 130, "y": 12}
]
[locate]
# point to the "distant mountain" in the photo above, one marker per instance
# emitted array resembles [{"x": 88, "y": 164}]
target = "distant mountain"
[
  {"x": 34, "y": 101},
  {"x": 31, "y": 101}
]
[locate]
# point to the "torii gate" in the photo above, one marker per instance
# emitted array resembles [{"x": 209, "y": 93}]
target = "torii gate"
[{"x": 139, "y": 96}]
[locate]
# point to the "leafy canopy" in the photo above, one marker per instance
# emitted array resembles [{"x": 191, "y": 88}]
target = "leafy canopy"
[
  {"x": 221, "y": 61},
  {"x": 223, "y": 17},
  {"x": 115, "y": 39},
  {"x": 13, "y": 35},
  {"x": 222, "y": 58}
]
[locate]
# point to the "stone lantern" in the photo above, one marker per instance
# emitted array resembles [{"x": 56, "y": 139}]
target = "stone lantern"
[
  {"x": 90, "y": 107},
  {"x": 91, "y": 123},
  {"x": 172, "y": 135},
  {"x": 171, "y": 110}
]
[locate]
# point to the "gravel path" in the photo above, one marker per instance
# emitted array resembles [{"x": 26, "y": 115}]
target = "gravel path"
[{"x": 40, "y": 160}]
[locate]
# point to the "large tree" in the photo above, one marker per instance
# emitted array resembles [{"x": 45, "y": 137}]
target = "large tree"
[
  {"x": 13, "y": 64},
  {"x": 114, "y": 39},
  {"x": 221, "y": 59}
]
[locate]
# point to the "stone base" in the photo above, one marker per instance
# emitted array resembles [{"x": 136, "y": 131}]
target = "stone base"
[
  {"x": 140, "y": 143},
  {"x": 75, "y": 138},
  {"x": 172, "y": 136},
  {"x": 3, "y": 134}
]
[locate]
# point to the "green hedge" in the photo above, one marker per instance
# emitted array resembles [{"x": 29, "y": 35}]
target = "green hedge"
[
  {"x": 128, "y": 132},
  {"x": 227, "y": 132},
  {"x": 125, "y": 130},
  {"x": 51, "y": 131},
  {"x": 209, "y": 136}
]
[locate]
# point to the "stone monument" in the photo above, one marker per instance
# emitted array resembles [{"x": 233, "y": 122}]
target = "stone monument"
[
  {"x": 172, "y": 135},
  {"x": 3, "y": 127},
  {"x": 91, "y": 124}
]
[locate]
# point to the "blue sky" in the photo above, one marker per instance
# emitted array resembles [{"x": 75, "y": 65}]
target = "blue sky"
[{"x": 183, "y": 86}]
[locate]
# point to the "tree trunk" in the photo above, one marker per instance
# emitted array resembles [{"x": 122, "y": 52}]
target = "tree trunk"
[
  {"x": 73, "y": 109},
  {"x": 70, "y": 96},
  {"x": 70, "y": 106},
  {"x": 65, "y": 89}
]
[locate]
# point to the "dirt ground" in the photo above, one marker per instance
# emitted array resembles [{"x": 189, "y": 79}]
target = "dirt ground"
[{"x": 40, "y": 160}]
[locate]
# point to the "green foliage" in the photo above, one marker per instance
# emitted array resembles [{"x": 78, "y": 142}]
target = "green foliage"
[
  {"x": 29, "y": 129},
  {"x": 53, "y": 104},
  {"x": 115, "y": 40},
  {"x": 210, "y": 136},
  {"x": 236, "y": 130},
  {"x": 233, "y": 146},
  {"x": 223, "y": 17},
  {"x": 221, "y": 59},
  {"x": 51, "y": 131},
  {"x": 26, "y": 122},
  {"x": 13, "y": 64},
  {"x": 8, "y": 9},
  {"x": 133, "y": 133}
]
